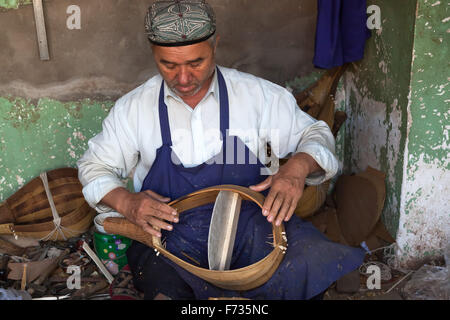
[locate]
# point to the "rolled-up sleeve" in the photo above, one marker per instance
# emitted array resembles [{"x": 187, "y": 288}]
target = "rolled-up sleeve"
[
  {"x": 110, "y": 157},
  {"x": 299, "y": 132}
]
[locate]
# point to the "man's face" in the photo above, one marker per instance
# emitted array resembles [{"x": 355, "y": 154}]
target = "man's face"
[{"x": 187, "y": 70}]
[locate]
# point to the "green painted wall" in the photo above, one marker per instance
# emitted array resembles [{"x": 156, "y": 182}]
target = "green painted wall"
[
  {"x": 43, "y": 135},
  {"x": 377, "y": 91},
  {"x": 398, "y": 103},
  {"x": 430, "y": 98},
  {"x": 424, "y": 229},
  {"x": 13, "y": 4}
]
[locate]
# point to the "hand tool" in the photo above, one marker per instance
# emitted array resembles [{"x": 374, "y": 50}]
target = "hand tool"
[{"x": 222, "y": 229}]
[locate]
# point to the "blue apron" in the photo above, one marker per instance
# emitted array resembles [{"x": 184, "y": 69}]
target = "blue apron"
[{"x": 312, "y": 262}]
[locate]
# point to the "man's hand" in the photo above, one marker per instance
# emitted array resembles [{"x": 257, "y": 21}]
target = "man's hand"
[
  {"x": 146, "y": 209},
  {"x": 286, "y": 187}
]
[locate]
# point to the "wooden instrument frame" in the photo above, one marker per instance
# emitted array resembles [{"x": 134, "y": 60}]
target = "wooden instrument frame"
[
  {"x": 240, "y": 279},
  {"x": 27, "y": 212}
]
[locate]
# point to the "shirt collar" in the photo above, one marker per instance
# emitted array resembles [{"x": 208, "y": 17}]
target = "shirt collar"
[{"x": 213, "y": 89}]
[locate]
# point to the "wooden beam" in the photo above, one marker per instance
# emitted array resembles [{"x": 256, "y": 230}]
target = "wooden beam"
[{"x": 40, "y": 29}]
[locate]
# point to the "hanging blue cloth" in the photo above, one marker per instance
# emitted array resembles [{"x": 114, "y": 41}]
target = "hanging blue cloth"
[
  {"x": 311, "y": 264},
  {"x": 341, "y": 32}
]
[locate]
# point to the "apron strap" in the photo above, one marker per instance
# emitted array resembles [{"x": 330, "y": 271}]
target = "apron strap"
[
  {"x": 224, "y": 106},
  {"x": 164, "y": 118}
]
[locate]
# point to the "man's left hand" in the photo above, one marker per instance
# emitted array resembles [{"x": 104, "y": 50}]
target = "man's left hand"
[{"x": 286, "y": 187}]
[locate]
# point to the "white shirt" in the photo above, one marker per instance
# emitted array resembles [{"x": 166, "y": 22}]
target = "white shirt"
[{"x": 260, "y": 112}]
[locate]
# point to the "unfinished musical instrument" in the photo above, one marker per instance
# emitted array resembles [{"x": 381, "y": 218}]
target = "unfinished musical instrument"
[
  {"x": 245, "y": 278},
  {"x": 49, "y": 207}
]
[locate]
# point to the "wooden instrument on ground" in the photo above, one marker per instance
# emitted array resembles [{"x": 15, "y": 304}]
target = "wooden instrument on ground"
[
  {"x": 312, "y": 200},
  {"x": 318, "y": 101},
  {"x": 49, "y": 207},
  {"x": 312, "y": 99},
  {"x": 245, "y": 278}
]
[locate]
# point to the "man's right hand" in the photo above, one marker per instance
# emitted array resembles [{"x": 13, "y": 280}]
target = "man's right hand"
[{"x": 146, "y": 209}]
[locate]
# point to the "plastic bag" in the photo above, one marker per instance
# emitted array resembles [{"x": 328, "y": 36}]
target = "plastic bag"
[{"x": 430, "y": 282}]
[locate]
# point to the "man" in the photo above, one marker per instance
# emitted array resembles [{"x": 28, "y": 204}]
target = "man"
[{"x": 175, "y": 132}]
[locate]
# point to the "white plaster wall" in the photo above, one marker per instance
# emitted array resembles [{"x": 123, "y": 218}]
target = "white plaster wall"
[{"x": 424, "y": 226}]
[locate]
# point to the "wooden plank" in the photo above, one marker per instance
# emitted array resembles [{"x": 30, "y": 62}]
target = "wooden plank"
[
  {"x": 40, "y": 29},
  {"x": 98, "y": 262}
]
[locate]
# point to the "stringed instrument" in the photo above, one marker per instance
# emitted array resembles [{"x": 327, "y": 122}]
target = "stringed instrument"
[{"x": 49, "y": 207}]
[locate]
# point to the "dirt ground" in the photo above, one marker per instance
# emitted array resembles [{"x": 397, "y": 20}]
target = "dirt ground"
[{"x": 354, "y": 286}]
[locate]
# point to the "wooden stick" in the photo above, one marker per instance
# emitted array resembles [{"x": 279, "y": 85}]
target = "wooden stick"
[
  {"x": 190, "y": 258},
  {"x": 398, "y": 282},
  {"x": 97, "y": 261},
  {"x": 40, "y": 29},
  {"x": 23, "y": 285}
]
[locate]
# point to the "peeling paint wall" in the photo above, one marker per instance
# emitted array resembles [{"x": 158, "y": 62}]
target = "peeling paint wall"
[
  {"x": 398, "y": 103},
  {"x": 424, "y": 228},
  {"x": 13, "y": 4},
  {"x": 377, "y": 97},
  {"x": 43, "y": 135}
]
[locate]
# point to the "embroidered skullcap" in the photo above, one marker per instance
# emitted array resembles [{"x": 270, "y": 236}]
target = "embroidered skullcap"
[{"x": 179, "y": 22}]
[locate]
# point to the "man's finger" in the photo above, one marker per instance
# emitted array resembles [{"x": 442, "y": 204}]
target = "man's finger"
[
  {"x": 268, "y": 202},
  {"x": 291, "y": 211},
  {"x": 263, "y": 185},
  {"x": 158, "y": 213},
  {"x": 277, "y": 203},
  {"x": 159, "y": 223},
  {"x": 156, "y": 196},
  {"x": 293, "y": 206},
  {"x": 149, "y": 229},
  {"x": 284, "y": 211},
  {"x": 164, "y": 208}
]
